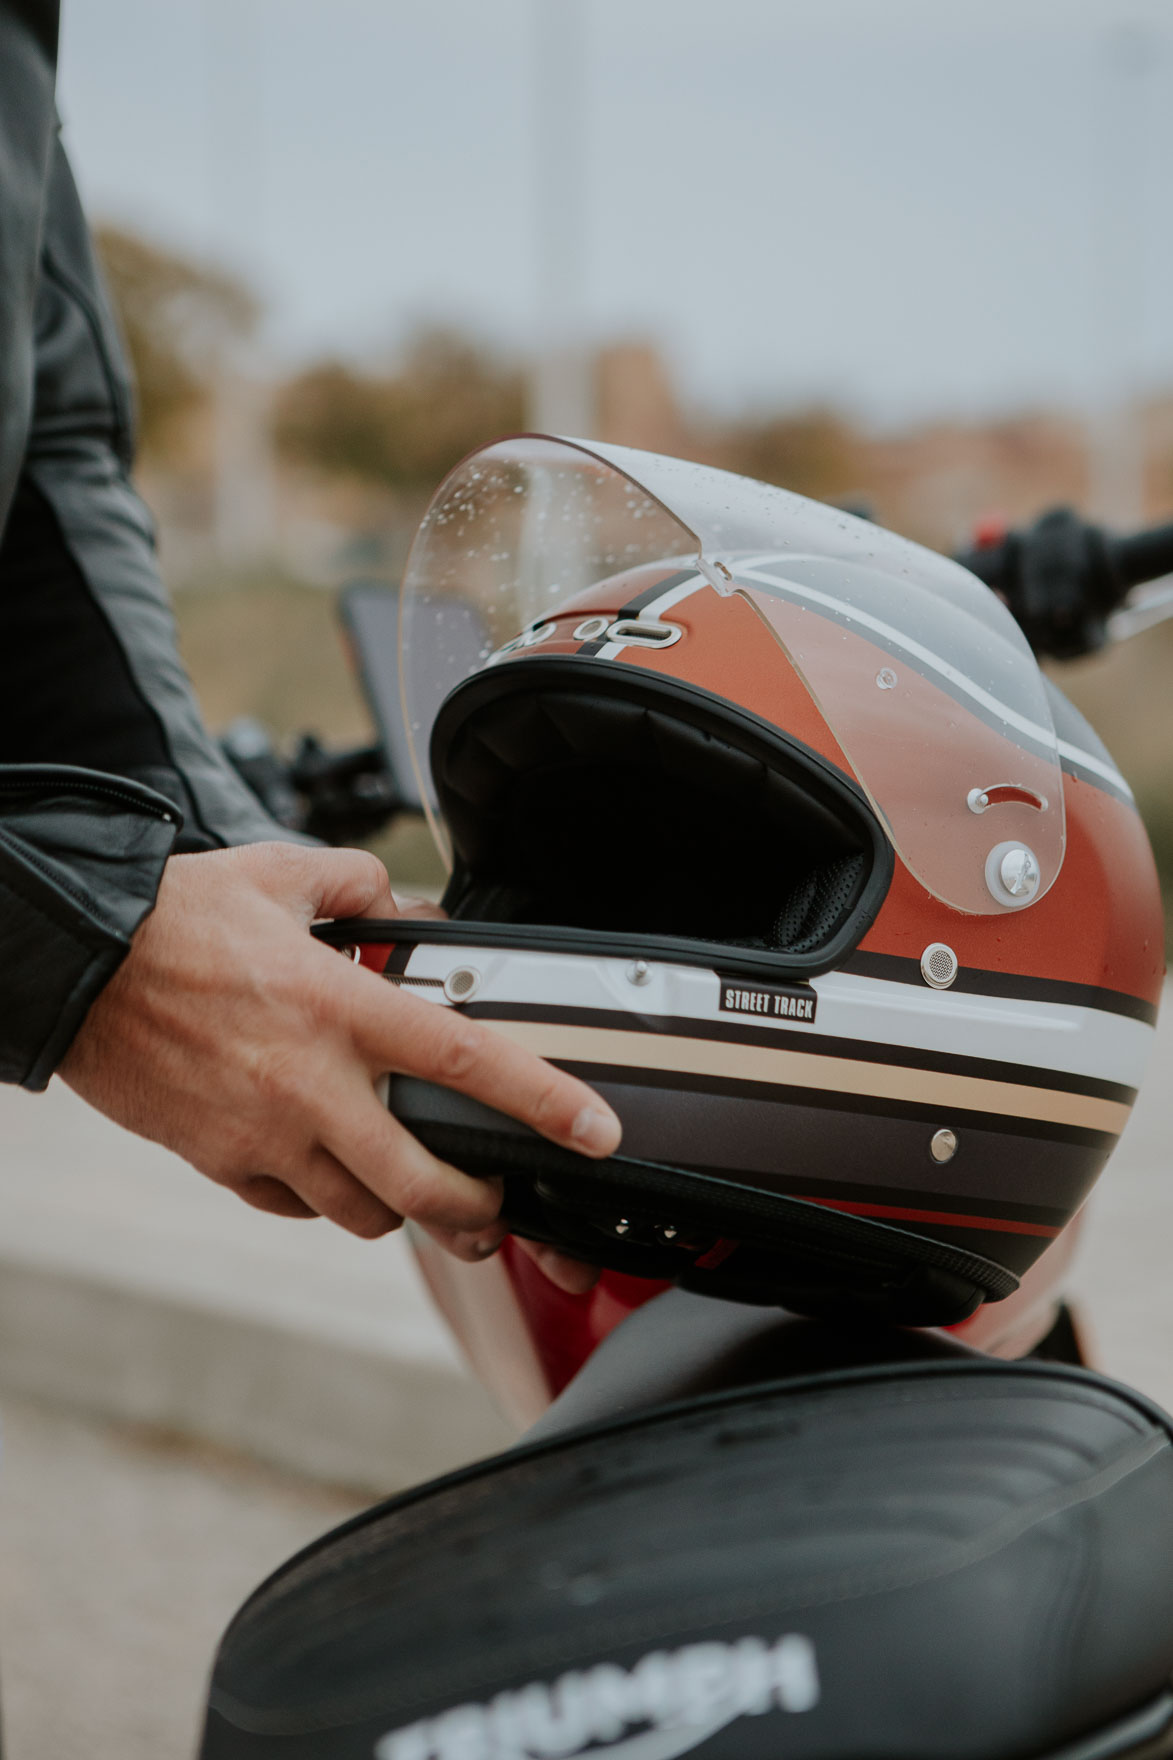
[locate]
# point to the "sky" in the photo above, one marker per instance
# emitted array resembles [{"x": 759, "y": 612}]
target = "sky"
[{"x": 909, "y": 208}]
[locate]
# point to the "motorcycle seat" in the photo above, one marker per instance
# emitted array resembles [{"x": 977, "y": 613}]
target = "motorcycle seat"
[{"x": 946, "y": 1560}]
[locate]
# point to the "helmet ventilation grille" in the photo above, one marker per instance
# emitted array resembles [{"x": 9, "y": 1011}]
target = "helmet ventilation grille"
[{"x": 938, "y": 965}]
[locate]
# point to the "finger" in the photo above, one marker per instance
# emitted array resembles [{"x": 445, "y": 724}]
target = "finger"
[
  {"x": 401, "y": 1032},
  {"x": 407, "y": 905},
  {"x": 397, "y": 1168},
  {"x": 331, "y": 1189},
  {"x": 566, "y": 1273},
  {"x": 266, "y": 1193},
  {"x": 353, "y": 884},
  {"x": 316, "y": 883},
  {"x": 474, "y": 1247}
]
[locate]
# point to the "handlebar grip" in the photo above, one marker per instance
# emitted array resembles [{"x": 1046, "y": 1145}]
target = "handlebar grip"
[{"x": 1144, "y": 557}]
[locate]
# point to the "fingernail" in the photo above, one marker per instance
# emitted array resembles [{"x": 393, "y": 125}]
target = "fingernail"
[
  {"x": 596, "y": 1131},
  {"x": 487, "y": 1245}
]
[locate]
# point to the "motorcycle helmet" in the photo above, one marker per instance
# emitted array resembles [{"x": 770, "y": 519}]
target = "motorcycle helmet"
[{"x": 763, "y": 821}]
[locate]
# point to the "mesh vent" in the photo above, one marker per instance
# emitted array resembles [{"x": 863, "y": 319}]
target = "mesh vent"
[
  {"x": 462, "y": 984},
  {"x": 938, "y": 965}
]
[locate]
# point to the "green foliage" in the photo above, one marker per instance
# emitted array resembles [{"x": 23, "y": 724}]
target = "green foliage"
[
  {"x": 406, "y": 429},
  {"x": 177, "y": 317}
]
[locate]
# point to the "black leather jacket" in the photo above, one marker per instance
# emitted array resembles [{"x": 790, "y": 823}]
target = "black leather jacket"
[{"x": 105, "y": 766}]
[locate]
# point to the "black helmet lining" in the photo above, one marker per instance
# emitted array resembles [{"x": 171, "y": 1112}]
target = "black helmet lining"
[{"x": 616, "y": 800}]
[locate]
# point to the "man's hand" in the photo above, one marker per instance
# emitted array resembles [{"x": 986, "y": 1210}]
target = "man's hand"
[{"x": 232, "y": 1037}]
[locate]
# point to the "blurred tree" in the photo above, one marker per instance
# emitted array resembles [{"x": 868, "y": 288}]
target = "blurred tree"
[
  {"x": 814, "y": 452},
  {"x": 405, "y": 429},
  {"x": 179, "y": 318}
]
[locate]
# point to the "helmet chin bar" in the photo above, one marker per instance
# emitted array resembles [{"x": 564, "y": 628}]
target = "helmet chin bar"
[{"x": 714, "y": 1236}]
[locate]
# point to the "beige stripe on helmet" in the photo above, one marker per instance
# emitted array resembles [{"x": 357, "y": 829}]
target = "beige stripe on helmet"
[{"x": 805, "y": 1069}]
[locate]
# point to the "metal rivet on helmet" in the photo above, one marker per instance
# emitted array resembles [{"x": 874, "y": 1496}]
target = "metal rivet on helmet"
[{"x": 943, "y": 1146}]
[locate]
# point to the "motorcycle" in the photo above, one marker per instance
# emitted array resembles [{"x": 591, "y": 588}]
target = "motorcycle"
[{"x": 817, "y": 1469}]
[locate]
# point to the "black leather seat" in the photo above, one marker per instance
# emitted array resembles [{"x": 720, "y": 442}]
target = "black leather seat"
[{"x": 950, "y": 1560}]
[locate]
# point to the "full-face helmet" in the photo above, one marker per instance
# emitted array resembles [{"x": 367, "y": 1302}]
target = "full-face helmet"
[{"x": 764, "y": 821}]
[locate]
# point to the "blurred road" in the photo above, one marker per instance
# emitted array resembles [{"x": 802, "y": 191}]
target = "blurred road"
[
  {"x": 1124, "y": 1275},
  {"x": 122, "y": 1556}
]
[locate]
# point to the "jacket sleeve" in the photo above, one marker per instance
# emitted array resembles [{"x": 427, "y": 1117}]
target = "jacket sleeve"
[
  {"x": 81, "y": 854},
  {"x": 101, "y": 681},
  {"x": 105, "y": 765},
  {"x": 28, "y": 62}
]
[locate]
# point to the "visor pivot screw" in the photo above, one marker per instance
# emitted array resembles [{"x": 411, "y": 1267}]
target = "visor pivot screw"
[
  {"x": 886, "y": 679},
  {"x": 639, "y": 972},
  {"x": 623, "y": 1226},
  {"x": 1013, "y": 875},
  {"x": 1019, "y": 872},
  {"x": 943, "y": 1146},
  {"x": 667, "y": 1231},
  {"x": 938, "y": 965}
]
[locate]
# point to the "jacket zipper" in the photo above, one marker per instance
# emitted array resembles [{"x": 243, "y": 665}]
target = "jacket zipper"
[{"x": 11, "y": 785}]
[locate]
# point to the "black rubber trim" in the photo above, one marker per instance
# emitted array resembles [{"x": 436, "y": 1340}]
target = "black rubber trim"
[
  {"x": 725, "y": 720},
  {"x": 1010, "y": 985},
  {"x": 834, "y": 1234},
  {"x": 757, "y": 963}
]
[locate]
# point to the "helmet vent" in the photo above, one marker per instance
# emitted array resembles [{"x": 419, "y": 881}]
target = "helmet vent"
[{"x": 938, "y": 965}]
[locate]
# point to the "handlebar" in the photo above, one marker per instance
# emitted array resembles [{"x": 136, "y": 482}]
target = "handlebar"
[
  {"x": 1064, "y": 579},
  {"x": 339, "y": 796},
  {"x": 1145, "y": 557}
]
